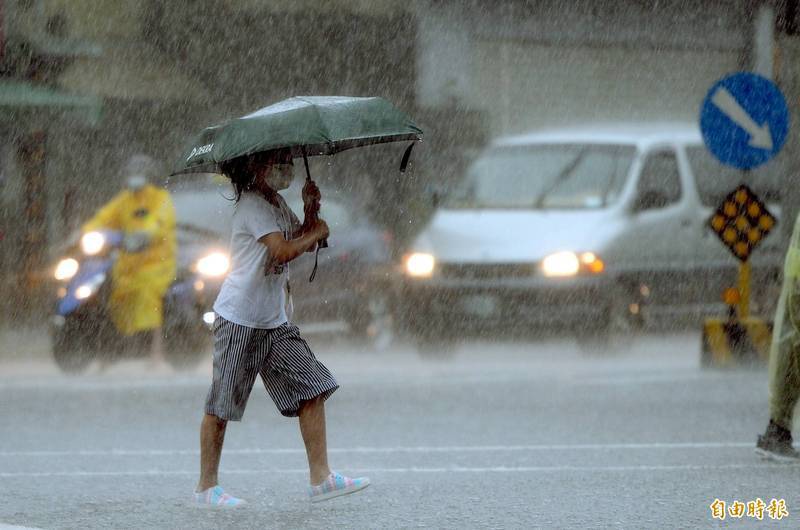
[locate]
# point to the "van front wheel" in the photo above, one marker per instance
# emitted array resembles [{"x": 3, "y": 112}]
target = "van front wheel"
[
  {"x": 435, "y": 347},
  {"x": 612, "y": 331},
  {"x": 430, "y": 336}
]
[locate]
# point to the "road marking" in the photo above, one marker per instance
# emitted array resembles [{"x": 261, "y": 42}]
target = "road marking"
[
  {"x": 448, "y": 469},
  {"x": 81, "y": 385},
  {"x": 675, "y": 377},
  {"x": 385, "y": 450},
  {"x": 347, "y": 374},
  {"x": 4, "y": 526}
]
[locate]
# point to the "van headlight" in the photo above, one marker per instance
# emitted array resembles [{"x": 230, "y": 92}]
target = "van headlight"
[
  {"x": 213, "y": 264},
  {"x": 66, "y": 269},
  {"x": 420, "y": 265},
  {"x": 565, "y": 264},
  {"x": 92, "y": 243}
]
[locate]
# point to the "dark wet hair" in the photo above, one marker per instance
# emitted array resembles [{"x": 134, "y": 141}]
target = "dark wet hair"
[
  {"x": 241, "y": 177},
  {"x": 241, "y": 170}
]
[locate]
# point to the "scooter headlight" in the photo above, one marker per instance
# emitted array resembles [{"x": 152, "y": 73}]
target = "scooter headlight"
[
  {"x": 90, "y": 287},
  {"x": 66, "y": 269},
  {"x": 83, "y": 292},
  {"x": 92, "y": 243},
  {"x": 214, "y": 264}
]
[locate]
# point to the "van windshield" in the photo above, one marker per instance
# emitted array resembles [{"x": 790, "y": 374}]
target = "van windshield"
[{"x": 545, "y": 176}]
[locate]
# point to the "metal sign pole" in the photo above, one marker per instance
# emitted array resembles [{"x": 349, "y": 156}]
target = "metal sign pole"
[{"x": 744, "y": 273}]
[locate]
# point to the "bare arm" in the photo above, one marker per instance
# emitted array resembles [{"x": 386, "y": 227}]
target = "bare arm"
[
  {"x": 282, "y": 251},
  {"x": 303, "y": 229}
]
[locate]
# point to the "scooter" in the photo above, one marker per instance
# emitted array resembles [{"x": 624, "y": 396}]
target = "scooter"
[{"x": 82, "y": 330}]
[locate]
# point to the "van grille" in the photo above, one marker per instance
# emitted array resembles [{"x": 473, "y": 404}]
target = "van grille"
[{"x": 483, "y": 272}]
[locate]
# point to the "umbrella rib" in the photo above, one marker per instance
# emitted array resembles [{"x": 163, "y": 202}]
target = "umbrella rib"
[{"x": 326, "y": 132}]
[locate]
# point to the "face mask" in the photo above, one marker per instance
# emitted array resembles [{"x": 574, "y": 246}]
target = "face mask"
[{"x": 279, "y": 176}]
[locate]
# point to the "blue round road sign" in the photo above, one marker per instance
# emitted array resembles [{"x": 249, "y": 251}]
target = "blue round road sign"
[{"x": 744, "y": 120}]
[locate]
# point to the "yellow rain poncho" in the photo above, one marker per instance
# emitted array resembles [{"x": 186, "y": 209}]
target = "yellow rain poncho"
[
  {"x": 784, "y": 355},
  {"x": 140, "y": 279}
]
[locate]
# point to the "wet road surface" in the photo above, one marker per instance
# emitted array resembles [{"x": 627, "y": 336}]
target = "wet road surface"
[{"x": 500, "y": 435}]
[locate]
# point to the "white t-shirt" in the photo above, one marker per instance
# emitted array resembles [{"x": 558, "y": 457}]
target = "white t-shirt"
[{"x": 251, "y": 295}]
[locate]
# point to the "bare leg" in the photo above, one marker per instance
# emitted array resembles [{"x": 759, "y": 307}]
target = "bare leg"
[
  {"x": 312, "y": 428},
  {"x": 212, "y": 435}
]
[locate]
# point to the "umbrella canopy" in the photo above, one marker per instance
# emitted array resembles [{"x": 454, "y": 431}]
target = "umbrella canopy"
[{"x": 308, "y": 125}]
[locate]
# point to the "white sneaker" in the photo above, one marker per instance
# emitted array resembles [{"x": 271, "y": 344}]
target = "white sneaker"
[
  {"x": 217, "y": 498},
  {"x": 336, "y": 485}
]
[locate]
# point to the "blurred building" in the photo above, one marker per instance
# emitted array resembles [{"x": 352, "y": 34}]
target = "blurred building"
[
  {"x": 112, "y": 78},
  {"x": 534, "y": 64}
]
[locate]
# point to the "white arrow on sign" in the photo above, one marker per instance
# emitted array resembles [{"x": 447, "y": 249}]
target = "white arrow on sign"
[{"x": 760, "y": 137}]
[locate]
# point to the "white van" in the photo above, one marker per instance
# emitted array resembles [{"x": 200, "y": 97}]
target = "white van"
[{"x": 587, "y": 227}]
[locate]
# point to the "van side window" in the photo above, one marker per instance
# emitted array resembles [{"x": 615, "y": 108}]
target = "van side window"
[
  {"x": 659, "y": 182},
  {"x": 715, "y": 180}
]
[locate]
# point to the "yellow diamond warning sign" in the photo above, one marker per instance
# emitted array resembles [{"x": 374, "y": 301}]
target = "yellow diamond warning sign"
[{"x": 741, "y": 222}]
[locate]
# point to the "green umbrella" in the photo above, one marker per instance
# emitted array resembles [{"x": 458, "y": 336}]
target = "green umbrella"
[{"x": 308, "y": 125}]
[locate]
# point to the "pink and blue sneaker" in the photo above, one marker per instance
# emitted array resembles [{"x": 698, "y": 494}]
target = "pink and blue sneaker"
[
  {"x": 336, "y": 485},
  {"x": 217, "y": 498}
]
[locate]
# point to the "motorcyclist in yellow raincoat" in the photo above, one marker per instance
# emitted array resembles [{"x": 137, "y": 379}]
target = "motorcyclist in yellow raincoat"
[
  {"x": 784, "y": 361},
  {"x": 146, "y": 265}
]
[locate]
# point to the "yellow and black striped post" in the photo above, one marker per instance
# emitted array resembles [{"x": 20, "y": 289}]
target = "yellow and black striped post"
[
  {"x": 740, "y": 338},
  {"x": 732, "y": 343}
]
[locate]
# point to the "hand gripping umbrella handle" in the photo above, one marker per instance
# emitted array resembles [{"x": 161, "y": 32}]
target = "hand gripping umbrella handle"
[{"x": 312, "y": 213}]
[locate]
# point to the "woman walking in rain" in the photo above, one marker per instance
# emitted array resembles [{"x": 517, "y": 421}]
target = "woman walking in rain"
[
  {"x": 252, "y": 332},
  {"x": 784, "y": 362}
]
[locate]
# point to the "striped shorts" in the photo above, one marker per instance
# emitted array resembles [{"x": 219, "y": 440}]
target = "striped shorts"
[{"x": 289, "y": 370}]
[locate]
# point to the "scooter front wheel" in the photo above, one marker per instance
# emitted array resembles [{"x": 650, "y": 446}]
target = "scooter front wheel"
[
  {"x": 68, "y": 354},
  {"x": 72, "y": 361}
]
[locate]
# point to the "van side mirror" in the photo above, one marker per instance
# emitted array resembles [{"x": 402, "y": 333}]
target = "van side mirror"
[{"x": 650, "y": 200}]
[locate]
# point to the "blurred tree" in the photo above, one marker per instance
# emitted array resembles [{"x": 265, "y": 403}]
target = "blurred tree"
[{"x": 36, "y": 47}]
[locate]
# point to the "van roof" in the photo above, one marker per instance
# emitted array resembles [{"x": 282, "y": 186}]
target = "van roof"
[{"x": 634, "y": 134}]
